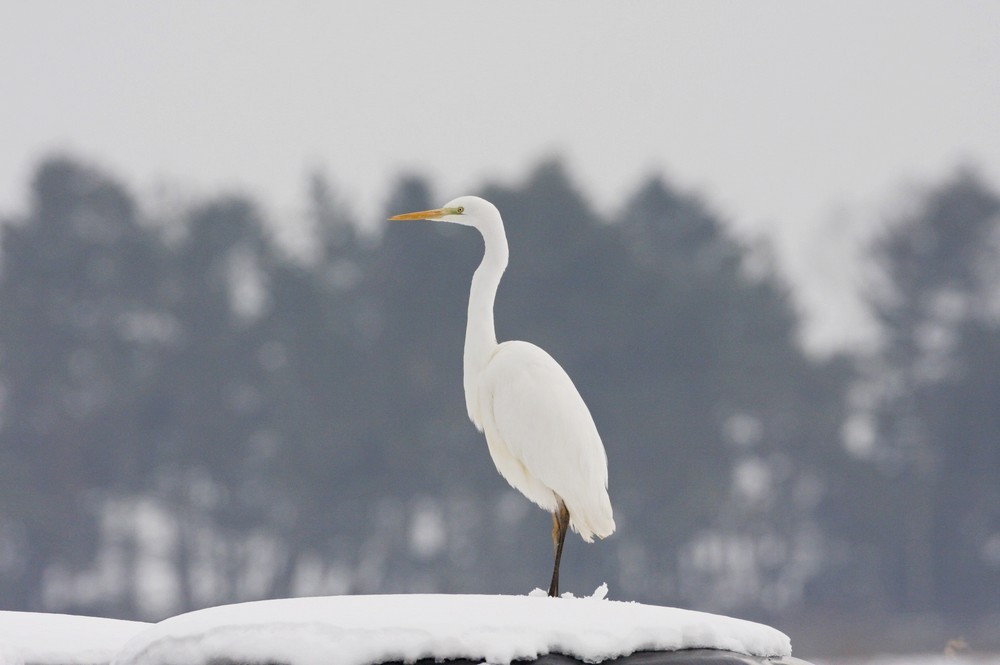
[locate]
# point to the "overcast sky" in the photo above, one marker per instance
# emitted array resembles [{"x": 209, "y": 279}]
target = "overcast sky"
[{"x": 804, "y": 121}]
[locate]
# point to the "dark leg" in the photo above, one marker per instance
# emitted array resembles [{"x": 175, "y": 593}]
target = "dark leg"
[
  {"x": 555, "y": 530},
  {"x": 560, "y": 525}
]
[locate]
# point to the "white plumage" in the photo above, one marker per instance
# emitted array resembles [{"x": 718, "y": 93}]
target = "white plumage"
[
  {"x": 540, "y": 433},
  {"x": 542, "y": 437}
]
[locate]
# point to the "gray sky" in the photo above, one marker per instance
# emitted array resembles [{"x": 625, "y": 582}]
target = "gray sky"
[{"x": 803, "y": 121}]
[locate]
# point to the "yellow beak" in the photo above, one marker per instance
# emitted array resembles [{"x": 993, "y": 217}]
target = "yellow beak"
[{"x": 423, "y": 214}]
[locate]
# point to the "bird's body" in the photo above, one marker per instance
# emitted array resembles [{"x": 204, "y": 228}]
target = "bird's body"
[
  {"x": 542, "y": 438},
  {"x": 540, "y": 433}
]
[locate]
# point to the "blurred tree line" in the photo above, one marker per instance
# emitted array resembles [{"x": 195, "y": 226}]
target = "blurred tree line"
[{"x": 192, "y": 414}]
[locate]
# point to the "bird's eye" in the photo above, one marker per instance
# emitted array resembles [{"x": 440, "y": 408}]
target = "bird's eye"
[{"x": 461, "y": 209}]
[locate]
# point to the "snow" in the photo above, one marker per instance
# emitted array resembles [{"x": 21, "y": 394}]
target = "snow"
[
  {"x": 357, "y": 630},
  {"x": 41, "y": 639}
]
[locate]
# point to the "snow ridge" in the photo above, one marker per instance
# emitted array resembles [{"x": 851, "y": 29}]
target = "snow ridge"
[{"x": 360, "y": 630}]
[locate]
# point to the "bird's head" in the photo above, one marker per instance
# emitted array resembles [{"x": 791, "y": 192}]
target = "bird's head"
[{"x": 466, "y": 210}]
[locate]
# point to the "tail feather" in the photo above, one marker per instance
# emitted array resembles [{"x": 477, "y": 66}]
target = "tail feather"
[{"x": 597, "y": 521}]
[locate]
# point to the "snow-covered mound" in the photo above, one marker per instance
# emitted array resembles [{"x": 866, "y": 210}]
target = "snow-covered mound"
[
  {"x": 359, "y": 630},
  {"x": 40, "y": 639}
]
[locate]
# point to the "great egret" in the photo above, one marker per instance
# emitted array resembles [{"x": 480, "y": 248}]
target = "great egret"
[{"x": 540, "y": 433}]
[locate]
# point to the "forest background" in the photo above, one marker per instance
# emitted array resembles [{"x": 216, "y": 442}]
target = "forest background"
[{"x": 195, "y": 412}]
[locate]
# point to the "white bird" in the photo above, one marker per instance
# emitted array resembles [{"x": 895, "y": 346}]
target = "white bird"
[{"x": 540, "y": 433}]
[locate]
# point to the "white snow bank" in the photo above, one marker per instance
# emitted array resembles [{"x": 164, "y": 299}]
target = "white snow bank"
[
  {"x": 356, "y": 630},
  {"x": 33, "y": 638}
]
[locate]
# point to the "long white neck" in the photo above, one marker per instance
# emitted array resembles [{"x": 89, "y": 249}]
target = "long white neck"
[{"x": 480, "y": 334}]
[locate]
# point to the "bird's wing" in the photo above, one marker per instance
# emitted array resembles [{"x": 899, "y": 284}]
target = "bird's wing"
[{"x": 546, "y": 425}]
